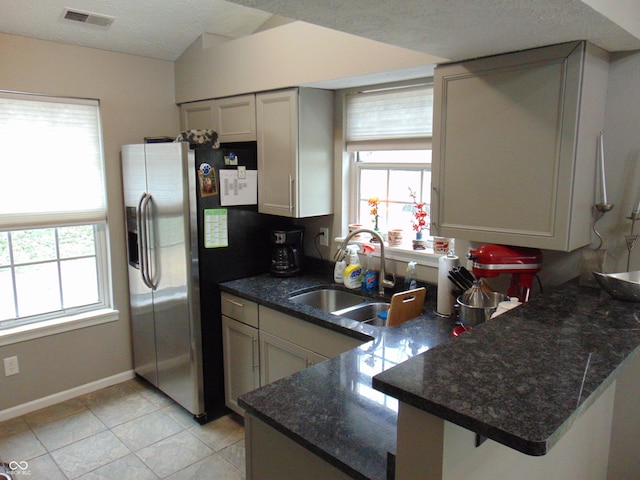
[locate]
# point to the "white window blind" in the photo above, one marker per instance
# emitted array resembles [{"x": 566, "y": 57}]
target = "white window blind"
[
  {"x": 399, "y": 118},
  {"x": 51, "y": 169}
]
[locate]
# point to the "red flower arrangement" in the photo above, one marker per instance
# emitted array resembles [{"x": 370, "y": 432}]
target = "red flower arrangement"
[{"x": 420, "y": 222}]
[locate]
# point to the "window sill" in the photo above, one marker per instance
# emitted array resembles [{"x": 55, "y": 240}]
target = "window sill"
[
  {"x": 401, "y": 253},
  {"x": 45, "y": 328}
]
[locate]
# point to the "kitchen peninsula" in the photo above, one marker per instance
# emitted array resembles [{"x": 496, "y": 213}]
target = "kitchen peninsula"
[{"x": 527, "y": 381}]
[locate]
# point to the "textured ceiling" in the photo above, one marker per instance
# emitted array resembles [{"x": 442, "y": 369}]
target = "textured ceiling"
[
  {"x": 453, "y": 29},
  {"x": 151, "y": 28},
  {"x": 461, "y": 29}
]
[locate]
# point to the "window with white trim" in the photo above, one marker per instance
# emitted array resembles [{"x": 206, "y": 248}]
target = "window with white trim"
[
  {"x": 388, "y": 135},
  {"x": 53, "y": 249}
]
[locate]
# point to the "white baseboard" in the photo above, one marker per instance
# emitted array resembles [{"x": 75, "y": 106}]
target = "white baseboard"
[{"x": 49, "y": 400}]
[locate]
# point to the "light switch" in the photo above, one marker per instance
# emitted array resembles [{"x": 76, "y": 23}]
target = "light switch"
[{"x": 242, "y": 171}]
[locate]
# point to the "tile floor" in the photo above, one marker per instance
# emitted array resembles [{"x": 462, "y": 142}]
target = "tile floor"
[{"x": 129, "y": 430}]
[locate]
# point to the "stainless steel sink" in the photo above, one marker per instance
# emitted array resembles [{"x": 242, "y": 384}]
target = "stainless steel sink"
[
  {"x": 328, "y": 299},
  {"x": 365, "y": 313},
  {"x": 344, "y": 304}
]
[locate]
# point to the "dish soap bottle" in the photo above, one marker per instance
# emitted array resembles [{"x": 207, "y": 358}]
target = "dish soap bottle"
[
  {"x": 353, "y": 273},
  {"x": 370, "y": 277},
  {"x": 411, "y": 279},
  {"x": 338, "y": 271}
]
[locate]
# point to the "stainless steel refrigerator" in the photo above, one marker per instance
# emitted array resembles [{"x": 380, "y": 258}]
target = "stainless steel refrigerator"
[{"x": 174, "y": 275}]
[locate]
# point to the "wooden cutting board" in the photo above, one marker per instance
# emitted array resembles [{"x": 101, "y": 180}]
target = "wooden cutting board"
[{"x": 405, "y": 306}]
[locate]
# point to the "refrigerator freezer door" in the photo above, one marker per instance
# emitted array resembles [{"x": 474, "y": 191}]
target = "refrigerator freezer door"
[
  {"x": 143, "y": 328},
  {"x": 141, "y": 296},
  {"x": 176, "y": 297}
]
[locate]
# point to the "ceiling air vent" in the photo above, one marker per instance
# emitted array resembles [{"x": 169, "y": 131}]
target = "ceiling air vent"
[{"x": 88, "y": 17}]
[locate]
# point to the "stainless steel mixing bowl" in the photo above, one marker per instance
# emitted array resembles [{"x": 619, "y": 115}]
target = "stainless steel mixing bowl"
[{"x": 622, "y": 286}]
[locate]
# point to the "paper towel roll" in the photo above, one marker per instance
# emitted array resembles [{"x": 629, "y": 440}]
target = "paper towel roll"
[{"x": 445, "y": 299}]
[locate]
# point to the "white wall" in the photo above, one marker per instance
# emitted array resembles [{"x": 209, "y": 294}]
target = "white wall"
[{"x": 136, "y": 100}]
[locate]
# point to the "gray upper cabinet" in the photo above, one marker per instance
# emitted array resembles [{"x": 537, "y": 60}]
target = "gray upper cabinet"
[
  {"x": 198, "y": 115},
  {"x": 295, "y": 152},
  {"x": 514, "y": 146},
  {"x": 234, "y": 118}
]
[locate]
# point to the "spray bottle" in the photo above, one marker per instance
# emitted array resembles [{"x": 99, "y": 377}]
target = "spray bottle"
[
  {"x": 411, "y": 278},
  {"x": 338, "y": 271},
  {"x": 353, "y": 273},
  {"x": 370, "y": 277}
]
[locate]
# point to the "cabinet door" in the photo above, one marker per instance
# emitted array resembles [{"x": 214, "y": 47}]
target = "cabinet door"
[
  {"x": 199, "y": 116},
  {"x": 314, "y": 186},
  {"x": 507, "y": 165},
  {"x": 279, "y": 358},
  {"x": 241, "y": 361},
  {"x": 236, "y": 118},
  {"x": 277, "y": 128}
]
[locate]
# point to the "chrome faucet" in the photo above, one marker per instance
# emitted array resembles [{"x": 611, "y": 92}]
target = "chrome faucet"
[{"x": 383, "y": 282}]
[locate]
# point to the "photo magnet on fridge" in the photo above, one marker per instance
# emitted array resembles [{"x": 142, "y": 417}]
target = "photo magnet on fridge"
[{"x": 207, "y": 180}]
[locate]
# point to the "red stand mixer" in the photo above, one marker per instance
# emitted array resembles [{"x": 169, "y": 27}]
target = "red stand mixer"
[{"x": 522, "y": 263}]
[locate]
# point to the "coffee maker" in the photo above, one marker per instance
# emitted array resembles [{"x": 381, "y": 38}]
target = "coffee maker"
[
  {"x": 522, "y": 263},
  {"x": 287, "y": 253}
]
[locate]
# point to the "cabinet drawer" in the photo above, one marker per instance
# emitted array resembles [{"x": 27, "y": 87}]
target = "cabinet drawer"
[
  {"x": 240, "y": 309},
  {"x": 307, "y": 335}
]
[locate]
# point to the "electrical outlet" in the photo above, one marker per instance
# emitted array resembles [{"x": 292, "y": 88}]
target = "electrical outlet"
[
  {"x": 324, "y": 237},
  {"x": 11, "y": 366}
]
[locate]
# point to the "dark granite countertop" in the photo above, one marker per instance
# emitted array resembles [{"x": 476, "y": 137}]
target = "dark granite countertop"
[
  {"x": 521, "y": 379},
  {"x": 331, "y": 408}
]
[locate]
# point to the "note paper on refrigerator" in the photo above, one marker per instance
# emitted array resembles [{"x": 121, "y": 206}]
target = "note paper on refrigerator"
[{"x": 237, "y": 189}]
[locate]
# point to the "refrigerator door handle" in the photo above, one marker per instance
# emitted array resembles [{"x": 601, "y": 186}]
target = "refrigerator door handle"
[
  {"x": 145, "y": 221},
  {"x": 142, "y": 235}
]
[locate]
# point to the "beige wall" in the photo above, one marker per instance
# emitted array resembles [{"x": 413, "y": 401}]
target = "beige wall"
[
  {"x": 622, "y": 155},
  {"x": 290, "y": 55},
  {"x": 136, "y": 99}
]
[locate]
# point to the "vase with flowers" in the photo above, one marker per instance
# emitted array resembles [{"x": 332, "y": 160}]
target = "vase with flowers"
[
  {"x": 419, "y": 221},
  {"x": 374, "y": 204}
]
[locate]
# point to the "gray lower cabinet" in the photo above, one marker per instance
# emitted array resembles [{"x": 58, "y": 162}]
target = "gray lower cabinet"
[
  {"x": 271, "y": 455},
  {"x": 288, "y": 344},
  {"x": 514, "y": 146},
  {"x": 240, "y": 348},
  {"x": 241, "y": 361},
  {"x": 280, "y": 358},
  {"x": 261, "y": 345}
]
